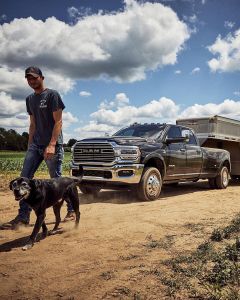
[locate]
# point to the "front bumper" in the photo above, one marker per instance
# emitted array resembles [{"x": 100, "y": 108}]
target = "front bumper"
[{"x": 119, "y": 173}]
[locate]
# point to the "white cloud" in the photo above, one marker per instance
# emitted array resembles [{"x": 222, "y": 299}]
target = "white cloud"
[
  {"x": 76, "y": 14},
  {"x": 3, "y": 18},
  {"x": 13, "y": 81},
  {"x": 120, "y": 100},
  {"x": 237, "y": 93},
  {"x": 14, "y": 123},
  {"x": 164, "y": 110},
  {"x": 155, "y": 109},
  {"x": 122, "y": 45},
  {"x": 9, "y": 106},
  {"x": 178, "y": 72},
  {"x": 195, "y": 70},
  {"x": 228, "y": 108},
  {"x": 108, "y": 121},
  {"x": 228, "y": 51},
  {"x": 229, "y": 24},
  {"x": 68, "y": 119},
  {"x": 73, "y": 12},
  {"x": 85, "y": 94},
  {"x": 93, "y": 129},
  {"x": 191, "y": 19}
]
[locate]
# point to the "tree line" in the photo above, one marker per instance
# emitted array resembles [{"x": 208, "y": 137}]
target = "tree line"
[{"x": 12, "y": 140}]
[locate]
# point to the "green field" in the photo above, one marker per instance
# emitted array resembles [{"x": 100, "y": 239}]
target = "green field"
[{"x": 12, "y": 161}]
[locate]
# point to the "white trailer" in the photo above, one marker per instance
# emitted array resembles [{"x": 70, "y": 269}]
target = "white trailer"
[{"x": 218, "y": 132}]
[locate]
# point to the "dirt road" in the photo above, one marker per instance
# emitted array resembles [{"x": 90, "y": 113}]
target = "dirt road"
[{"x": 120, "y": 240}]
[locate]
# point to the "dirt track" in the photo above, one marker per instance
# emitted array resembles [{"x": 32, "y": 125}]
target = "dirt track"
[{"x": 110, "y": 256}]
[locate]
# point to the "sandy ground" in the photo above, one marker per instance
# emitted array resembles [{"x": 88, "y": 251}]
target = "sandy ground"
[{"x": 109, "y": 255}]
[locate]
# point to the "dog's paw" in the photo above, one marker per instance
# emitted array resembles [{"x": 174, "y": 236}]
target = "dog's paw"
[{"x": 27, "y": 246}]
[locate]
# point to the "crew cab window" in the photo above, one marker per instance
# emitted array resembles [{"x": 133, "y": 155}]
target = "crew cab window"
[
  {"x": 174, "y": 132},
  {"x": 191, "y": 138}
]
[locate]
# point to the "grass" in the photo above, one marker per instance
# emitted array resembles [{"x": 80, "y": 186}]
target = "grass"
[
  {"x": 164, "y": 243},
  {"x": 211, "y": 272},
  {"x": 11, "y": 163}
]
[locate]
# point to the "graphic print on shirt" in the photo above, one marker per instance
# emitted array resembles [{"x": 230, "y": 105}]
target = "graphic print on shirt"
[{"x": 43, "y": 103}]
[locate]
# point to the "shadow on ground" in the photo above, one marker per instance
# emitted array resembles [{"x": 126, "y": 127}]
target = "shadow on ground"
[{"x": 127, "y": 196}]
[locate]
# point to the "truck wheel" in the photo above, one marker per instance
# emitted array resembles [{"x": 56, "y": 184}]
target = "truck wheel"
[
  {"x": 223, "y": 178},
  {"x": 89, "y": 190},
  {"x": 150, "y": 185}
]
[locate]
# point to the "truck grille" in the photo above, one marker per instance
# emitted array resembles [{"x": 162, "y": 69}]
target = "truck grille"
[{"x": 93, "y": 152}]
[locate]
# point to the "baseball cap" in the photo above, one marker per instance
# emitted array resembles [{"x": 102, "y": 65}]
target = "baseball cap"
[{"x": 34, "y": 71}]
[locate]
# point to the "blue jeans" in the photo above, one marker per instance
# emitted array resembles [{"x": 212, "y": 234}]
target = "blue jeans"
[{"x": 32, "y": 161}]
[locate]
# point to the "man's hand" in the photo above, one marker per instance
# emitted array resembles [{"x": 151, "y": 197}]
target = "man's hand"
[{"x": 49, "y": 152}]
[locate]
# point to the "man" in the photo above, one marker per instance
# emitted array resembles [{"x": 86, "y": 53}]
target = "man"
[{"x": 45, "y": 108}]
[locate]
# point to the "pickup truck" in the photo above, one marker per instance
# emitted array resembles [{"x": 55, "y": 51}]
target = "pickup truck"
[{"x": 143, "y": 157}]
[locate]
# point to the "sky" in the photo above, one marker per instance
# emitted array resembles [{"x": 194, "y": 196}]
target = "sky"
[{"x": 115, "y": 62}]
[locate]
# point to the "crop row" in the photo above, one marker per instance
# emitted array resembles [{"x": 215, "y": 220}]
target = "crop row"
[{"x": 15, "y": 165}]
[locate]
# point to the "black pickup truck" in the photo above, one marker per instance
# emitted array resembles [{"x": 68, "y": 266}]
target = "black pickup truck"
[{"x": 142, "y": 157}]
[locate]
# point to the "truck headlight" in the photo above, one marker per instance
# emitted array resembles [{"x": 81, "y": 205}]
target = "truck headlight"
[{"x": 128, "y": 153}]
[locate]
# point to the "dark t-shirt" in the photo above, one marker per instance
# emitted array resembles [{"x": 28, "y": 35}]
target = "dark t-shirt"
[{"x": 42, "y": 106}]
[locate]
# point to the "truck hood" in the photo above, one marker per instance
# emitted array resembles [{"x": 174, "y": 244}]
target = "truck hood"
[{"x": 131, "y": 141}]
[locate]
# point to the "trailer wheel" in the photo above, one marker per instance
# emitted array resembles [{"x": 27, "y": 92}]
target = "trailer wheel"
[
  {"x": 150, "y": 185},
  {"x": 89, "y": 190},
  {"x": 222, "y": 179}
]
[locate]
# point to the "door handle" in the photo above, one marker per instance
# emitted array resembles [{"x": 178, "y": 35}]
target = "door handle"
[{"x": 183, "y": 150}]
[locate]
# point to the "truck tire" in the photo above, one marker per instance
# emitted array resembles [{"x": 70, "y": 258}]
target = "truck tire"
[
  {"x": 89, "y": 190},
  {"x": 150, "y": 185},
  {"x": 222, "y": 179}
]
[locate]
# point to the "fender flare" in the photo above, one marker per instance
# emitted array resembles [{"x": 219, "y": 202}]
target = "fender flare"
[
  {"x": 155, "y": 156},
  {"x": 225, "y": 157}
]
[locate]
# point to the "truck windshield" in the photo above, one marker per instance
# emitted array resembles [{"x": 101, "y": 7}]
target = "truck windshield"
[{"x": 145, "y": 131}]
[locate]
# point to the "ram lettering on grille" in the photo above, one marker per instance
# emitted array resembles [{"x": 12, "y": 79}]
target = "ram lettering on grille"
[{"x": 97, "y": 152}]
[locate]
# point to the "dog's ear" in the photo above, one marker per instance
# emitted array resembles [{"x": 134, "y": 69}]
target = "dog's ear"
[{"x": 35, "y": 183}]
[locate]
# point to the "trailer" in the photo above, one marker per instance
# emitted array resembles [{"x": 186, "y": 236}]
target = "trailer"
[{"x": 218, "y": 132}]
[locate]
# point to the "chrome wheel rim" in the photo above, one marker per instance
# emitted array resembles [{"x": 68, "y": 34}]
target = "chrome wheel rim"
[
  {"x": 225, "y": 177},
  {"x": 153, "y": 185}
]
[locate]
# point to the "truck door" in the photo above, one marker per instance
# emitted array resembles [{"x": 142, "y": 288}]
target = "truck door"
[
  {"x": 194, "y": 154},
  {"x": 176, "y": 156}
]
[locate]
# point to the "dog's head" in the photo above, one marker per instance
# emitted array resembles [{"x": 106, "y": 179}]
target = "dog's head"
[{"x": 21, "y": 188}]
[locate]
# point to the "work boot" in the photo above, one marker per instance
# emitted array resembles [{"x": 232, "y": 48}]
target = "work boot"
[
  {"x": 70, "y": 216},
  {"x": 15, "y": 223}
]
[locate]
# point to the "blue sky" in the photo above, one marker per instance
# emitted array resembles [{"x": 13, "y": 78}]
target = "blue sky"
[{"x": 116, "y": 62}]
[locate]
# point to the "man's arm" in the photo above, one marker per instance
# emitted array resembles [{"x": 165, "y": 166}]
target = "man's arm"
[
  {"x": 50, "y": 150},
  {"x": 31, "y": 129}
]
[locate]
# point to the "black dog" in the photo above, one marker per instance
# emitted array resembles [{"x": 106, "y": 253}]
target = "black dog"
[{"x": 41, "y": 194}]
